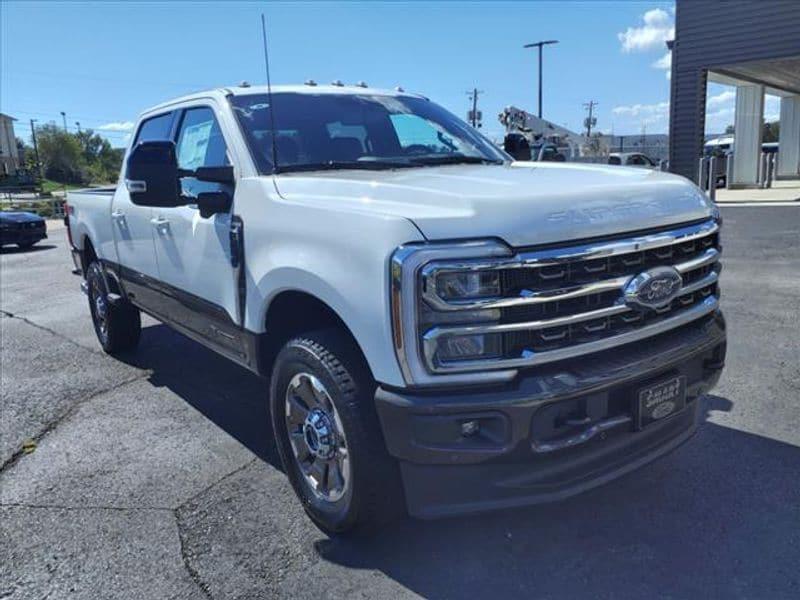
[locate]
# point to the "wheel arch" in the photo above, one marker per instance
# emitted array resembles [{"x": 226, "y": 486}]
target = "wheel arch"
[{"x": 292, "y": 312}]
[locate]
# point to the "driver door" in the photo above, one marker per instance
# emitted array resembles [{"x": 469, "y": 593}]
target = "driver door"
[{"x": 194, "y": 253}]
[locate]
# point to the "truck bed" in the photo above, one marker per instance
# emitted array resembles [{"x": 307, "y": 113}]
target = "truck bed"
[{"x": 90, "y": 218}]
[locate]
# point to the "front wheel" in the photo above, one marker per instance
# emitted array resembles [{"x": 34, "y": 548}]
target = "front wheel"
[
  {"x": 329, "y": 438},
  {"x": 119, "y": 325}
]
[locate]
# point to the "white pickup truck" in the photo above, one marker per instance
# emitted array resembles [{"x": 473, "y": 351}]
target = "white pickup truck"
[{"x": 443, "y": 330}]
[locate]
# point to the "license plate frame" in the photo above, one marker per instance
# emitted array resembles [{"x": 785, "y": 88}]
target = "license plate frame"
[{"x": 660, "y": 400}]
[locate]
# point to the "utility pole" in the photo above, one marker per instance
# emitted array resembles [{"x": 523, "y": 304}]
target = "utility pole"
[
  {"x": 590, "y": 121},
  {"x": 473, "y": 116},
  {"x": 36, "y": 147},
  {"x": 539, "y": 46},
  {"x": 64, "y": 118}
]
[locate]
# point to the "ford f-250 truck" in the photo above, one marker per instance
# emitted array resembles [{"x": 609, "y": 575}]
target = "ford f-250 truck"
[{"x": 443, "y": 330}]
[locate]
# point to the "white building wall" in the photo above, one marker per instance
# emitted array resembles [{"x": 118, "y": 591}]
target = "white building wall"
[
  {"x": 789, "y": 140},
  {"x": 9, "y": 158},
  {"x": 747, "y": 126}
]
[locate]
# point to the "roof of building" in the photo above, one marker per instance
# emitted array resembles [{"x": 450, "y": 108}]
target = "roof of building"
[{"x": 5, "y": 116}]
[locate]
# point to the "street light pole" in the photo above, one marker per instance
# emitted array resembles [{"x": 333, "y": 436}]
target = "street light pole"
[
  {"x": 64, "y": 118},
  {"x": 539, "y": 46}
]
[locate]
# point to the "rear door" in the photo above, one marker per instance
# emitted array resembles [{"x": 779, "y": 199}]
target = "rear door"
[
  {"x": 194, "y": 253},
  {"x": 133, "y": 228}
]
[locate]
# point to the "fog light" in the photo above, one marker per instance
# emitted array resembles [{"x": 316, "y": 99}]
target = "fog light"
[
  {"x": 463, "y": 347},
  {"x": 470, "y": 428}
]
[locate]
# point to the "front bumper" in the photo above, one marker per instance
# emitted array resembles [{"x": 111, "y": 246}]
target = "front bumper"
[{"x": 447, "y": 469}]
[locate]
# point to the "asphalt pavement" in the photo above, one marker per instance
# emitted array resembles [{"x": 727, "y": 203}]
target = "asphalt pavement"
[{"x": 156, "y": 476}]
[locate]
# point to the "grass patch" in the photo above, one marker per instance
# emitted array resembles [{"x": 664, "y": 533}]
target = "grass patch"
[{"x": 49, "y": 186}]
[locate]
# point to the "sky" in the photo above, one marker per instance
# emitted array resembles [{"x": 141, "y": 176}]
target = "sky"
[{"x": 104, "y": 63}]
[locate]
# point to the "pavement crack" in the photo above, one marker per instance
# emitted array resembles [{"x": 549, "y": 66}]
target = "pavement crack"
[
  {"x": 86, "y": 507},
  {"x": 194, "y": 574},
  {"x": 52, "y": 425},
  {"x": 216, "y": 483},
  {"x": 50, "y": 331}
]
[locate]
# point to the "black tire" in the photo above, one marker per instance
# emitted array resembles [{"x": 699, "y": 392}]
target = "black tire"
[
  {"x": 25, "y": 245},
  {"x": 374, "y": 495},
  {"x": 119, "y": 330}
]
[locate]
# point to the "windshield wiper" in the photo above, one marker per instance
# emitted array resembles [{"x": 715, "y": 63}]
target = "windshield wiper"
[
  {"x": 455, "y": 159},
  {"x": 332, "y": 165}
]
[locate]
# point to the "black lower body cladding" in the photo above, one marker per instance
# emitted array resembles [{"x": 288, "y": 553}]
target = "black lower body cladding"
[{"x": 555, "y": 432}]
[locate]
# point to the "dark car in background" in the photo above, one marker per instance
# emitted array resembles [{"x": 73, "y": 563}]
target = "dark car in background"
[{"x": 21, "y": 228}]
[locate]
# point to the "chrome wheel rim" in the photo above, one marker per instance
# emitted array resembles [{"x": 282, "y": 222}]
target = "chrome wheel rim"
[
  {"x": 100, "y": 311},
  {"x": 317, "y": 438}
]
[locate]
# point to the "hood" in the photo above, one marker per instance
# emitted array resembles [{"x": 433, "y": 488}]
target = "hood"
[
  {"x": 19, "y": 217},
  {"x": 523, "y": 203}
]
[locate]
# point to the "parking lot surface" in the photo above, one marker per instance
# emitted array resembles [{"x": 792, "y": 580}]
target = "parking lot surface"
[{"x": 156, "y": 477}]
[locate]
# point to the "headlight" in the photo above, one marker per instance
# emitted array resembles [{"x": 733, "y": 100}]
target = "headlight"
[
  {"x": 470, "y": 285},
  {"x": 432, "y": 284}
]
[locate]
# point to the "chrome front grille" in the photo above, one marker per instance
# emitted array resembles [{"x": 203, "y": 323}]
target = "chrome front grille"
[{"x": 568, "y": 301}]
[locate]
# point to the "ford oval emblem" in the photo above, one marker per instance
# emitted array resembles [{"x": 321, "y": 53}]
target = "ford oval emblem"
[
  {"x": 653, "y": 288},
  {"x": 662, "y": 410}
]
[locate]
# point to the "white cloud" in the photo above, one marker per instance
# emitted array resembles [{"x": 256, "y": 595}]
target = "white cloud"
[
  {"x": 658, "y": 27},
  {"x": 117, "y": 126},
  {"x": 642, "y": 110},
  {"x": 772, "y": 108},
  {"x": 723, "y": 99},
  {"x": 665, "y": 62}
]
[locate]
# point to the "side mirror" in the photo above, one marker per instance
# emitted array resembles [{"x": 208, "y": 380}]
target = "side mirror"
[
  {"x": 215, "y": 174},
  {"x": 152, "y": 174},
  {"x": 211, "y": 203}
]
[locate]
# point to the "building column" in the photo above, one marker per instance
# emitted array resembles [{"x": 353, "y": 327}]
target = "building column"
[
  {"x": 747, "y": 126},
  {"x": 789, "y": 138}
]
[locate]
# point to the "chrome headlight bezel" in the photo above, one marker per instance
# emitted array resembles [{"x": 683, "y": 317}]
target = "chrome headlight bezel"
[{"x": 414, "y": 269}]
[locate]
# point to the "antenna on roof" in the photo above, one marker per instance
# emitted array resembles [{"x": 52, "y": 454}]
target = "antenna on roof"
[{"x": 269, "y": 95}]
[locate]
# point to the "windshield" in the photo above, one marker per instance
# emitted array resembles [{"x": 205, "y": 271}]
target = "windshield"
[{"x": 356, "y": 131}]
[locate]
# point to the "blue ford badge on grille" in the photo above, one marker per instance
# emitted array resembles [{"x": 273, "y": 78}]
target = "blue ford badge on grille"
[{"x": 653, "y": 288}]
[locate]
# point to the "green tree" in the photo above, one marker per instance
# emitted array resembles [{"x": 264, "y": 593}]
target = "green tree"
[
  {"x": 771, "y": 132},
  {"x": 102, "y": 160},
  {"x": 61, "y": 155},
  {"x": 81, "y": 158}
]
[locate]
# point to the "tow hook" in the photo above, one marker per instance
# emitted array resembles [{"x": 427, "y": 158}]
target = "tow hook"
[{"x": 85, "y": 287}]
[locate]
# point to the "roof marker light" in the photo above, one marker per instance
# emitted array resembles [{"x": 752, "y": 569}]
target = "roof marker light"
[
  {"x": 361, "y": 84},
  {"x": 337, "y": 83},
  {"x": 311, "y": 82},
  {"x": 399, "y": 89}
]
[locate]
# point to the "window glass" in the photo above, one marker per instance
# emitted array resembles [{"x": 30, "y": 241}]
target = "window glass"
[
  {"x": 348, "y": 131},
  {"x": 155, "y": 128},
  {"x": 417, "y": 134},
  {"x": 614, "y": 160},
  {"x": 200, "y": 144},
  {"x": 200, "y": 141}
]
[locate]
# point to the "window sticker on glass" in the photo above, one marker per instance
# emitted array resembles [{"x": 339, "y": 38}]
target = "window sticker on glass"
[{"x": 194, "y": 144}]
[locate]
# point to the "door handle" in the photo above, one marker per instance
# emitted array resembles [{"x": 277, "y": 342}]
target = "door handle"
[
  {"x": 161, "y": 224},
  {"x": 117, "y": 215}
]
